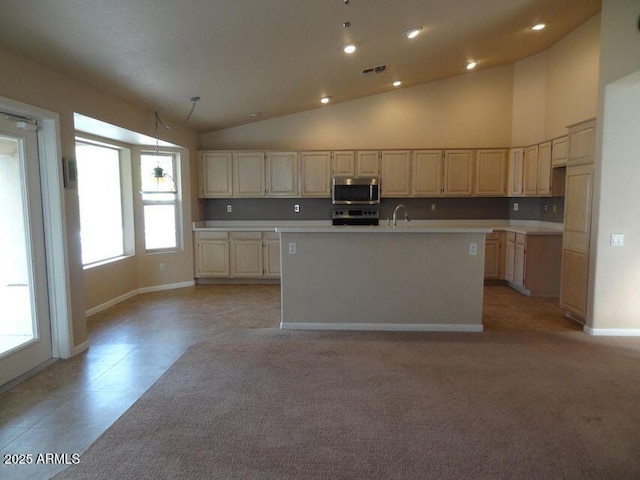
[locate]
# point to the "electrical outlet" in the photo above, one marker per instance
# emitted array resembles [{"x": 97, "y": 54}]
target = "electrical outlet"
[
  {"x": 163, "y": 267},
  {"x": 292, "y": 248},
  {"x": 515, "y": 206},
  {"x": 433, "y": 207},
  {"x": 473, "y": 249},
  {"x": 296, "y": 208},
  {"x": 545, "y": 208},
  {"x": 554, "y": 208},
  {"x": 229, "y": 209}
]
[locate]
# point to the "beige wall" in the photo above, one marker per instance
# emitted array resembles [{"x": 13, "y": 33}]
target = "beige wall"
[
  {"x": 33, "y": 84},
  {"x": 615, "y": 271},
  {"x": 529, "y": 100},
  {"x": 472, "y": 110}
]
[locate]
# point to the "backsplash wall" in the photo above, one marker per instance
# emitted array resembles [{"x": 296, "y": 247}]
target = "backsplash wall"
[{"x": 529, "y": 208}]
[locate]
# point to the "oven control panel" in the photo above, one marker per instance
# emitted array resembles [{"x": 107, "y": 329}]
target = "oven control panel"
[{"x": 355, "y": 216}]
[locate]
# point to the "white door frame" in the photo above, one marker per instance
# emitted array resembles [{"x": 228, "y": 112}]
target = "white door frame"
[{"x": 50, "y": 158}]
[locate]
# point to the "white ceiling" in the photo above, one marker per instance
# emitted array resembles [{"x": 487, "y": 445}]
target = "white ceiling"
[{"x": 275, "y": 57}]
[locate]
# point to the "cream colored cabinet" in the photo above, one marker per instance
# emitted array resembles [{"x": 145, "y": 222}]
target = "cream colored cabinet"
[
  {"x": 216, "y": 174},
  {"x": 245, "y": 251},
  {"x": 530, "y": 171},
  {"x": 396, "y": 173},
  {"x": 271, "y": 258},
  {"x": 315, "y": 174},
  {"x": 491, "y": 173},
  {"x": 494, "y": 256},
  {"x": 559, "y": 151},
  {"x": 368, "y": 163},
  {"x": 516, "y": 172},
  {"x": 532, "y": 263},
  {"x": 458, "y": 173},
  {"x": 426, "y": 173},
  {"x": 581, "y": 143},
  {"x": 212, "y": 254},
  {"x": 248, "y": 174},
  {"x": 343, "y": 163},
  {"x": 282, "y": 174},
  {"x": 543, "y": 185}
]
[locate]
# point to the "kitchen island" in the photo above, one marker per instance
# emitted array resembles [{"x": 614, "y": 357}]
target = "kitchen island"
[{"x": 408, "y": 278}]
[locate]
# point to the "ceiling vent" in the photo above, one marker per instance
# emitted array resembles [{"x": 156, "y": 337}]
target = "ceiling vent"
[{"x": 377, "y": 69}]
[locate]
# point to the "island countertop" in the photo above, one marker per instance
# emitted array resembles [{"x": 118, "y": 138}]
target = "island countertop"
[{"x": 404, "y": 228}]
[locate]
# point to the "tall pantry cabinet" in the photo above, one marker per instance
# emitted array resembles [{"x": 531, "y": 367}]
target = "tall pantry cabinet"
[{"x": 577, "y": 220}]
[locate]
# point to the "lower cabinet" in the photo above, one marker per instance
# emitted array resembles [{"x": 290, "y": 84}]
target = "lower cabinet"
[
  {"x": 237, "y": 254},
  {"x": 494, "y": 256},
  {"x": 532, "y": 263}
]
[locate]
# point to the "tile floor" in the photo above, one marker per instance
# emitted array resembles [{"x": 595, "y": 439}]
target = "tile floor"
[{"x": 68, "y": 405}]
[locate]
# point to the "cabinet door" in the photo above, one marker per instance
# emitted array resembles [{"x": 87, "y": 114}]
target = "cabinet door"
[
  {"x": 492, "y": 258},
  {"x": 426, "y": 173},
  {"x": 510, "y": 257},
  {"x": 368, "y": 163},
  {"x": 272, "y": 258},
  {"x": 458, "y": 172},
  {"x": 396, "y": 173},
  {"x": 315, "y": 174},
  {"x": 516, "y": 172},
  {"x": 216, "y": 173},
  {"x": 543, "y": 185},
  {"x": 519, "y": 263},
  {"x": 559, "y": 151},
  {"x": 531, "y": 170},
  {"x": 581, "y": 143},
  {"x": 212, "y": 258},
  {"x": 575, "y": 240},
  {"x": 344, "y": 163},
  {"x": 491, "y": 169},
  {"x": 248, "y": 174},
  {"x": 282, "y": 174},
  {"x": 246, "y": 258}
]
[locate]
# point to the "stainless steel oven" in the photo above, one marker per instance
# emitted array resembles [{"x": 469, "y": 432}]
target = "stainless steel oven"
[{"x": 355, "y": 190}]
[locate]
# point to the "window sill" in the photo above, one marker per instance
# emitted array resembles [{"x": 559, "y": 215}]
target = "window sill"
[{"x": 101, "y": 263}]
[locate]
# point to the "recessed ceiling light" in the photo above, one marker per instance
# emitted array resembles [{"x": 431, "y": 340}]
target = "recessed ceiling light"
[
  {"x": 539, "y": 26},
  {"x": 325, "y": 99},
  {"x": 413, "y": 32},
  {"x": 471, "y": 65},
  {"x": 349, "y": 48},
  {"x": 397, "y": 83}
]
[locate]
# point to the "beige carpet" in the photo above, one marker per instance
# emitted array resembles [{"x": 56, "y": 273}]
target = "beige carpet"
[{"x": 266, "y": 404}]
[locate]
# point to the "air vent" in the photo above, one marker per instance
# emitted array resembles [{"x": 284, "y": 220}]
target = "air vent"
[{"x": 377, "y": 69}]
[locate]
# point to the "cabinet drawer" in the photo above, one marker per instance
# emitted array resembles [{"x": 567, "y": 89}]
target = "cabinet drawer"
[
  {"x": 511, "y": 236},
  {"x": 212, "y": 235},
  {"x": 246, "y": 235},
  {"x": 271, "y": 235}
]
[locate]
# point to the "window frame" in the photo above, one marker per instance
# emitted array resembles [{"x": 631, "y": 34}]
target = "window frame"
[
  {"x": 145, "y": 198},
  {"x": 126, "y": 196}
]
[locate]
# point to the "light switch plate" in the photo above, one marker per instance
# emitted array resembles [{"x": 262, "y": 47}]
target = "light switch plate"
[
  {"x": 473, "y": 249},
  {"x": 617, "y": 239}
]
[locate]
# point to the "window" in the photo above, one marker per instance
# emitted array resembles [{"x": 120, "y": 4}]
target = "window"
[
  {"x": 160, "y": 200},
  {"x": 100, "y": 193}
]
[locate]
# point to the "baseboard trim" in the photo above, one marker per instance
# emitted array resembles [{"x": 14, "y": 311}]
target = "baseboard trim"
[
  {"x": 391, "y": 327},
  {"x": 613, "y": 332},
  {"x": 77, "y": 350},
  {"x": 133, "y": 293}
]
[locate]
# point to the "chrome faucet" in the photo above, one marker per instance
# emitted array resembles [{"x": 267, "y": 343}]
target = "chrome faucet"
[{"x": 395, "y": 212}]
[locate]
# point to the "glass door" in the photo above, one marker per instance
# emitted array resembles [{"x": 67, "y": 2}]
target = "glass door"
[{"x": 25, "y": 329}]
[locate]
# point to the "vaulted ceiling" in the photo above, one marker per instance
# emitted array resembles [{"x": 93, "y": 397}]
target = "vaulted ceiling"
[{"x": 274, "y": 57}]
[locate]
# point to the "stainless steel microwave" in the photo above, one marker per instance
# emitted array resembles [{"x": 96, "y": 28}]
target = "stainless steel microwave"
[{"x": 355, "y": 190}]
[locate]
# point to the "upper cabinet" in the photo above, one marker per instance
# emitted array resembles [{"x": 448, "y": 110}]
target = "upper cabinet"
[
  {"x": 543, "y": 185},
  {"x": 491, "y": 172},
  {"x": 396, "y": 173},
  {"x": 216, "y": 174},
  {"x": 530, "y": 171},
  {"x": 458, "y": 173},
  {"x": 315, "y": 174},
  {"x": 426, "y": 173},
  {"x": 516, "y": 172},
  {"x": 368, "y": 163},
  {"x": 248, "y": 174},
  {"x": 559, "y": 151},
  {"x": 282, "y": 174},
  {"x": 581, "y": 143},
  {"x": 343, "y": 163}
]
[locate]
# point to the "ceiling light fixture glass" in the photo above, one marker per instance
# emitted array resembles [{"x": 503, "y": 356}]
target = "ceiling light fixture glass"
[
  {"x": 471, "y": 65},
  {"x": 349, "y": 48},
  {"x": 325, "y": 99},
  {"x": 539, "y": 26},
  {"x": 413, "y": 32},
  {"x": 397, "y": 83}
]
